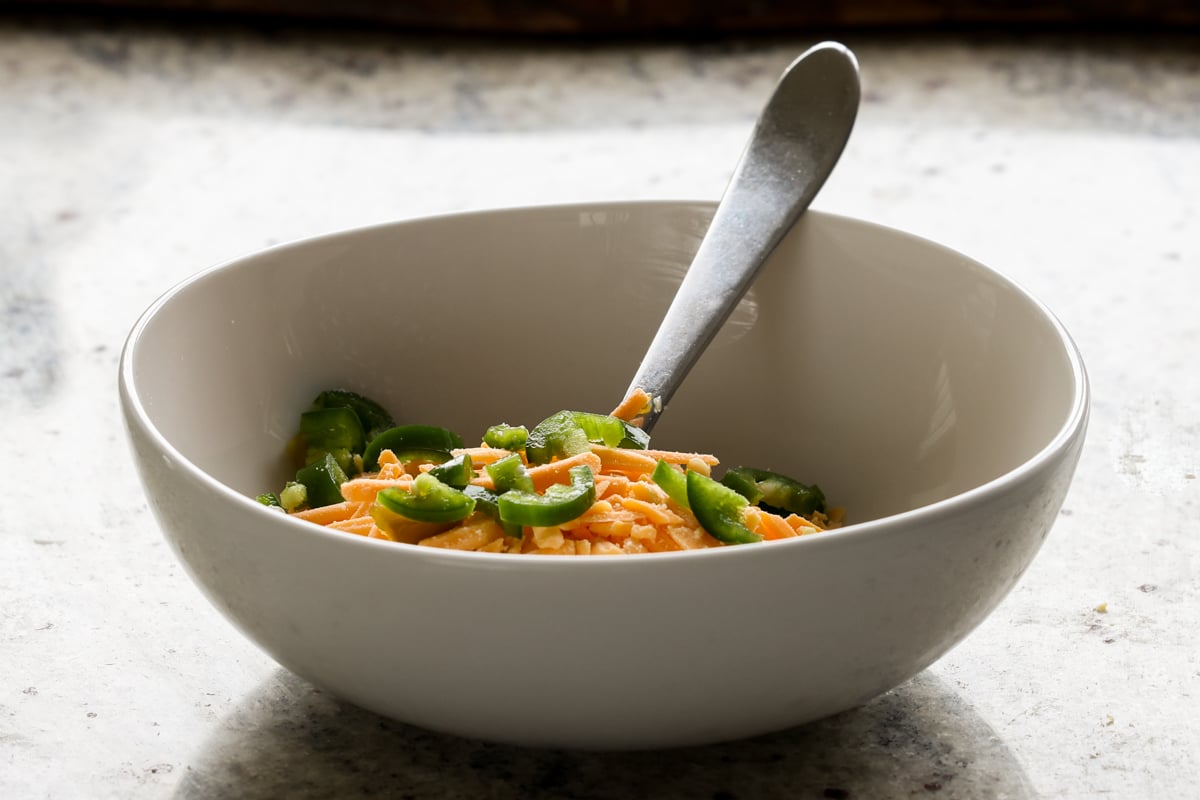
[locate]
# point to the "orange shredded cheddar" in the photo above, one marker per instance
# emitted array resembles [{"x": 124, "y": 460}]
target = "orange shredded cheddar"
[
  {"x": 378, "y": 533},
  {"x": 556, "y": 471},
  {"x": 630, "y": 462},
  {"x": 649, "y": 458},
  {"x": 633, "y": 406},
  {"x": 656, "y": 513},
  {"x": 360, "y": 525},
  {"x": 326, "y": 515},
  {"x": 364, "y": 490},
  {"x": 630, "y": 513},
  {"x": 479, "y": 533},
  {"x": 768, "y": 525},
  {"x": 482, "y": 455}
]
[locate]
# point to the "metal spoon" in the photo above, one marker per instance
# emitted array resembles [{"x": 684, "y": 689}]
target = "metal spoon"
[{"x": 797, "y": 140}]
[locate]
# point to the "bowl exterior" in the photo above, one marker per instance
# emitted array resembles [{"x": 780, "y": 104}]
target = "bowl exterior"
[{"x": 618, "y": 653}]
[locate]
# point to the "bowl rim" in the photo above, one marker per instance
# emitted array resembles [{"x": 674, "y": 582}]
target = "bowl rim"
[{"x": 1073, "y": 426}]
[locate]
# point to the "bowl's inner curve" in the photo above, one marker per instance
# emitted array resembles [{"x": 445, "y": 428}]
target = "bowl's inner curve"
[{"x": 893, "y": 372}]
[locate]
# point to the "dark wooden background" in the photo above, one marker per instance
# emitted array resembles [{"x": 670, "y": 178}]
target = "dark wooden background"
[{"x": 584, "y": 17}]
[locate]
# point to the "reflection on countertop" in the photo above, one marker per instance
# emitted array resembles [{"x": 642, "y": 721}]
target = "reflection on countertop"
[{"x": 288, "y": 739}]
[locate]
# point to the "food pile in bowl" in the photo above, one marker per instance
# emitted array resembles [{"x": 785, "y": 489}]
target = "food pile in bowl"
[{"x": 578, "y": 483}]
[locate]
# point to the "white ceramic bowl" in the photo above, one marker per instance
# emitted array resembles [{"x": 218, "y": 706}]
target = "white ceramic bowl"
[{"x": 940, "y": 404}]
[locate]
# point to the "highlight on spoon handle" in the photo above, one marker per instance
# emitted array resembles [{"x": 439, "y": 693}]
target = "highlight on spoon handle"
[{"x": 796, "y": 142}]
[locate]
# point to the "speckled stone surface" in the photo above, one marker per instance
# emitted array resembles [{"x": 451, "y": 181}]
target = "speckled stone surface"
[{"x": 134, "y": 155}]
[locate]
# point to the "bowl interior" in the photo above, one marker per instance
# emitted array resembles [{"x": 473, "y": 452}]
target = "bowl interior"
[{"x": 893, "y": 372}]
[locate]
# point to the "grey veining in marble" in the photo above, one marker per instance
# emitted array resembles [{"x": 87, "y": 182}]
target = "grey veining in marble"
[{"x": 134, "y": 155}]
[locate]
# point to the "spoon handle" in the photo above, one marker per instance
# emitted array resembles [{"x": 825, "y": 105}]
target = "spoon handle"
[{"x": 798, "y": 138}]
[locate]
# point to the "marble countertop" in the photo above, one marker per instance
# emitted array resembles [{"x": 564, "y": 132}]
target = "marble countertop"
[{"x": 132, "y": 155}]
